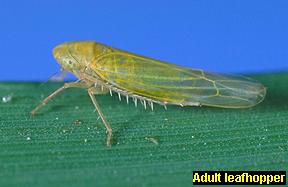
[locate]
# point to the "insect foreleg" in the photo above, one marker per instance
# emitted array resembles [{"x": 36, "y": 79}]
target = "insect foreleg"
[
  {"x": 55, "y": 93},
  {"x": 108, "y": 127}
]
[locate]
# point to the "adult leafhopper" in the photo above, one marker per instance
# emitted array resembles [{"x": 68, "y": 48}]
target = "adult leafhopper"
[{"x": 101, "y": 69}]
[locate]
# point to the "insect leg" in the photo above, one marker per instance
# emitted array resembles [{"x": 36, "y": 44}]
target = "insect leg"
[
  {"x": 55, "y": 93},
  {"x": 108, "y": 127}
]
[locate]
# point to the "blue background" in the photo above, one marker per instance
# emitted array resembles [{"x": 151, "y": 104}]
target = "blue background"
[{"x": 225, "y": 36}]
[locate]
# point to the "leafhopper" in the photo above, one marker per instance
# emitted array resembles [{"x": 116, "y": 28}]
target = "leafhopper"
[{"x": 101, "y": 69}]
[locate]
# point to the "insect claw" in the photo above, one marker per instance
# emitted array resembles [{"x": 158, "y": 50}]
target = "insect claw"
[
  {"x": 110, "y": 92},
  {"x": 119, "y": 96},
  {"x": 102, "y": 88},
  {"x": 135, "y": 101},
  {"x": 95, "y": 84},
  {"x": 127, "y": 99}
]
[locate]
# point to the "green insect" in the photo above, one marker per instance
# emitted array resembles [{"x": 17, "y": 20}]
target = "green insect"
[{"x": 101, "y": 69}]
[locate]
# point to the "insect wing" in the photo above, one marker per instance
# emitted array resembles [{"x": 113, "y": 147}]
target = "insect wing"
[
  {"x": 234, "y": 91},
  {"x": 174, "y": 84}
]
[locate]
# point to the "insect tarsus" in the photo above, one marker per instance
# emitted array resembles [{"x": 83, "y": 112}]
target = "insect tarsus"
[{"x": 79, "y": 84}]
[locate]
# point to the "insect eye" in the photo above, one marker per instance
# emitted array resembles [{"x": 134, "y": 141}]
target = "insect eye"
[{"x": 70, "y": 62}]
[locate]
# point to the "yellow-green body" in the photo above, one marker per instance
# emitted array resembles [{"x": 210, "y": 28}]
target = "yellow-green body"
[{"x": 153, "y": 80}]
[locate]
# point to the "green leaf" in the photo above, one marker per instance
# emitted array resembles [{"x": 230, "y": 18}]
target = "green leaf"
[{"x": 64, "y": 145}]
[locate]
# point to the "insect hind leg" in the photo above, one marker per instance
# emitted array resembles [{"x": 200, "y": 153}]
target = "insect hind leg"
[
  {"x": 97, "y": 107},
  {"x": 55, "y": 93}
]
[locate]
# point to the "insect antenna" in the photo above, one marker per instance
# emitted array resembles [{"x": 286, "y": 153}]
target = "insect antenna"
[{"x": 56, "y": 77}]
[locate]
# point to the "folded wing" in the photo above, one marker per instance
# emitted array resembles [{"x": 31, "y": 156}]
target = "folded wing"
[{"x": 173, "y": 84}]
